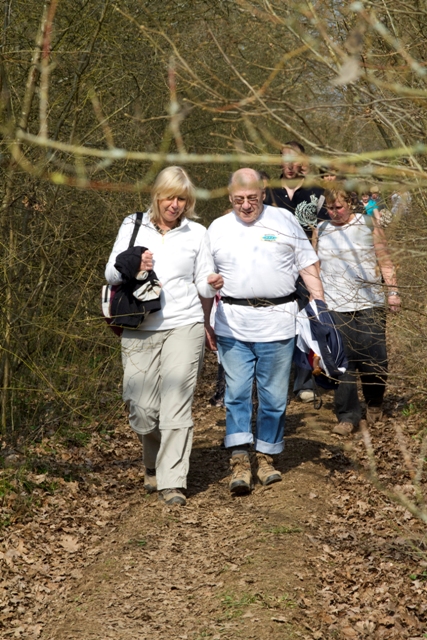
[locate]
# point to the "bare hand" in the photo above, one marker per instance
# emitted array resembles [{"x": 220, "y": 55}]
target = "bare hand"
[
  {"x": 210, "y": 338},
  {"x": 146, "y": 261},
  {"x": 394, "y": 303},
  {"x": 216, "y": 281}
]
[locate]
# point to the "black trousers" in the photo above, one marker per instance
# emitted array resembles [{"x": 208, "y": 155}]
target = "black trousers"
[{"x": 363, "y": 334}]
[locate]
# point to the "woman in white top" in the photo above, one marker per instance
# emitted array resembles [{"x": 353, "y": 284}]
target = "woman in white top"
[
  {"x": 358, "y": 277},
  {"x": 161, "y": 359}
]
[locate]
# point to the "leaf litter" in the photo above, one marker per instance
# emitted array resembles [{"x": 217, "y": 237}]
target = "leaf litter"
[{"x": 323, "y": 554}]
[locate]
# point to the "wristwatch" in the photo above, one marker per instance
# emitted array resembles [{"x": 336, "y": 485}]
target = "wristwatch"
[{"x": 393, "y": 293}]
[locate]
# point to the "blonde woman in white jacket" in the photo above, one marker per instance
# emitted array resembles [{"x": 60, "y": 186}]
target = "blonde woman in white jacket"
[{"x": 162, "y": 358}]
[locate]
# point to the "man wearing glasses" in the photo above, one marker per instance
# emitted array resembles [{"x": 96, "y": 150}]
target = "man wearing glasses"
[{"x": 259, "y": 250}]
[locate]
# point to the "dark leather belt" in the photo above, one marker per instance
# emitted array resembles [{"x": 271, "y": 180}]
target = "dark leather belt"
[{"x": 259, "y": 302}]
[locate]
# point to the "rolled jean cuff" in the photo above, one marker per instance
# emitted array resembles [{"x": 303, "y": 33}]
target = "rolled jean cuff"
[
  {"x": 236, "y": 439},
  {"x": 268, "y": 447}
]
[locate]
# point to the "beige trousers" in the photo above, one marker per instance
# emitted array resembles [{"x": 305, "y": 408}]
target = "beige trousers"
[
  {"x": 168, "y": 452},
  {"x": 160, "y": 375}
]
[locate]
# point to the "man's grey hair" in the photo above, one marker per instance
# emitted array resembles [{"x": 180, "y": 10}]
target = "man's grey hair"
[{"x": 258, "y": 182}]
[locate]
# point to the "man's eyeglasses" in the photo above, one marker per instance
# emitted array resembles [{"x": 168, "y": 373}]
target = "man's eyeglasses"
[{"x": 239, "y": 200}]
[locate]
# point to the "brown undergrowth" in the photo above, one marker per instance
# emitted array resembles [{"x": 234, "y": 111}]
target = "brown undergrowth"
[{"x": 85, "y": 554}]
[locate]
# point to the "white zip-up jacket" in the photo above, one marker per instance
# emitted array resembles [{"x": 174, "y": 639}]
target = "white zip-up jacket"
[{"x": 182, "y": 261}]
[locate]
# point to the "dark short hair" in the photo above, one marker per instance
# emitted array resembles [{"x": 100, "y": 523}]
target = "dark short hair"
[
  {"x": 327, "y": 171},
  {"x": 294, "y": 145}
]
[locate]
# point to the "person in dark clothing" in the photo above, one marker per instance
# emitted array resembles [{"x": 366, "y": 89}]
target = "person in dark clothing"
[{"x": 306, "y": 203}]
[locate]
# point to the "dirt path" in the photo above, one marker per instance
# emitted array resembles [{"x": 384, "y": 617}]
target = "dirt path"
[
  {"x": 315, "y": 556},
  {"x": 222, "y": 567}
]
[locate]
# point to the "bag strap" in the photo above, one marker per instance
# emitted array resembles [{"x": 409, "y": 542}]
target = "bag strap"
[
  {"x": 321, "y": 227},
  {"x": 138, "y": 222},
  {"x": 320, "y": 203}
]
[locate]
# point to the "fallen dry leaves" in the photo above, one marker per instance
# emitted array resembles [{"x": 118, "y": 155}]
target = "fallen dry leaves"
[
  {"x": 374, "y": 562},
  {"x": 322, "y": 555},
  {"x": 59, "y": 530}
]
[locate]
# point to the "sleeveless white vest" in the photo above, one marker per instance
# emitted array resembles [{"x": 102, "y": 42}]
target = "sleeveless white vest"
[{"x": 348, "y": 265}]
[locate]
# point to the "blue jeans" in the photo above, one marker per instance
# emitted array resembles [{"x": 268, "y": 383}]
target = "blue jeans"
[{"x": 270, "y": 364}]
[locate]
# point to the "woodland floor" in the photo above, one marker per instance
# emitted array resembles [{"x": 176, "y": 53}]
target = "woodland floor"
[{"x": 323, "y": 554}]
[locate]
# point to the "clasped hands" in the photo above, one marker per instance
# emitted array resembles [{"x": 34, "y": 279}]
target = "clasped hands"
[{"x": 214, "y": 279}]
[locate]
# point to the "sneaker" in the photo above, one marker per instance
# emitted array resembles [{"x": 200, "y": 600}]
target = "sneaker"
[
  {"x": 172, "y": 496},
  {"x": 241, "y": 475},
  {"x": 150, "y": 480},
  {"x": 343, "y": 428},
  {"x": 266, "y": 473},
  {"x": 306, "y": 395},
  {"x": 373, "y": 415}
]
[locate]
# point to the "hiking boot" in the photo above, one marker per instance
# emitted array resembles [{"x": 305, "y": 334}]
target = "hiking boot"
[
  {"x": 172, "y": 496},
  {"x": 306, "y": 395},
  {"x": 373, "y": 415},
  {"x": 266, "y": 473},
  {"x": 241, "y": 474},
  {"x": 343, "y": 428},
  {"x": 150, "y": 480}
]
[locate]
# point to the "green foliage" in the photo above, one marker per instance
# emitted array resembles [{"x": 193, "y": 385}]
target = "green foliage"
[
  {"x": 234, "y": 604},
  {"x": 283, "y": 530},
  {"x": 245, "y": 78},
  {"x": 409, "y": 410},
  {"x": 278, "y": 602},
  {"x": 419, "y": 576},
  {"x": 139, "y": 543}
]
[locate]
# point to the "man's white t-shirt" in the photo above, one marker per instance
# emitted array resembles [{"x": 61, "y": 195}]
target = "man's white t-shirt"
[{"x": 259, "y": 260}]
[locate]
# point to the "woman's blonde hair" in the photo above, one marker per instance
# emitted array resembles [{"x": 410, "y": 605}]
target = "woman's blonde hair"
[{"x": 171, "y": 182}]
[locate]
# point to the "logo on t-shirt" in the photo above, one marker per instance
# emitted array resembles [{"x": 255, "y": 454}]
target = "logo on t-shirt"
[
  {"x": 269, "y": 237},
  {"x": 306, "y": 212}
]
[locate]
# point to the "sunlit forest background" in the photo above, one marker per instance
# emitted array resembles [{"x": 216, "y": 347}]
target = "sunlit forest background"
[{"x": 97, "y": 96}]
